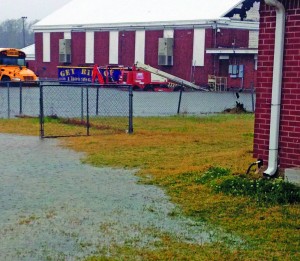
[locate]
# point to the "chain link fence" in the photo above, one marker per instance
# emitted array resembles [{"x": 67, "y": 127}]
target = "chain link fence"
[
  {"x": 81, "y": 109},
  {"x": 17, "y": 100},
  {"x": 190, "y": 102}
]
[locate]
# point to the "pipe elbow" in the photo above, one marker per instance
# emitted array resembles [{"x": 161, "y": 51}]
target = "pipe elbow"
[
  {"x": 270, "y": 172},
  {"x": 276, "y": 4}
]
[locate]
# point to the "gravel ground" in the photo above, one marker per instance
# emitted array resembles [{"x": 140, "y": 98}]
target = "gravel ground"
[{"x": 53, "y": 207}]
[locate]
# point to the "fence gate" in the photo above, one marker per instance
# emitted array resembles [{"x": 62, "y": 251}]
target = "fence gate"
[{"x": 83, "y": 109}]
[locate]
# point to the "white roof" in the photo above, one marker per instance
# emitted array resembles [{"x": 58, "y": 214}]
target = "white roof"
[
  {"x": 134, "y": 12},
  {"x": 29, "y": 51}
]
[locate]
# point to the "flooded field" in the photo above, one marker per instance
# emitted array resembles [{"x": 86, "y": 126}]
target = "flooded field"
[{"x": 53, "y": 207}]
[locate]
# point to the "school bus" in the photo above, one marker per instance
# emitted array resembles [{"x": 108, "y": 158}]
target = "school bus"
[{"x": 13, "y": 67}]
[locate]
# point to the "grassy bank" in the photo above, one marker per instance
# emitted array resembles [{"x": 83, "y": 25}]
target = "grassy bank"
[{"x": 176, "y": 153}]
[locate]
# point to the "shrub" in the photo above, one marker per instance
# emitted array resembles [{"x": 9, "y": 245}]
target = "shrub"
[{"x": 275, "y": 191}]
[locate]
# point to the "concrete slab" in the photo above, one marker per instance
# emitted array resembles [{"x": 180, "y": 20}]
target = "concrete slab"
[{"x": 293, "y": 175}]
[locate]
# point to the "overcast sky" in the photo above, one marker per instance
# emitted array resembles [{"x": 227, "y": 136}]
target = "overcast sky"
[{"x": 33, "y": 9}]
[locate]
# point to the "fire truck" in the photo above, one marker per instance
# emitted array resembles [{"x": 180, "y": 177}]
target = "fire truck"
[{"x": 141, "y": 77}]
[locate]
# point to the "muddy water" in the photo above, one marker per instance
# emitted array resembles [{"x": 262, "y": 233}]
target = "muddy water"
[{"x": 53, "y": 207}]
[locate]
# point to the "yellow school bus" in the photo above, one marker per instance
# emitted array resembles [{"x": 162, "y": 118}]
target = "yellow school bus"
[{"x": 13, "y": 66}]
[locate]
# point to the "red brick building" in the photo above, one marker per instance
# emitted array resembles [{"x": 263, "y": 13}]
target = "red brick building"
[
  {"x": 277, "y": 122},
  {"x": 200, "y": 40}
]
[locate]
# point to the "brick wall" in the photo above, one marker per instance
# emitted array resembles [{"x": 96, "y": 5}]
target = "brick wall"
[
  {"x": 101, "y": 48},
  {"x": 183, "y": 53},
  {"x": 126, "y": 47},
  {"x": 289, "y": 143},
  {"x": 47, "y": 69}
]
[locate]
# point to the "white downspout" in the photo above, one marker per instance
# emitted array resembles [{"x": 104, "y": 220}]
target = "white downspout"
[{"x": 276, "y": 87}]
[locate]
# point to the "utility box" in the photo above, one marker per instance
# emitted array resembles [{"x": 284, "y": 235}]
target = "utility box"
[
  {"x": 165, "y": 51},
  {"x": 236, "y": 71},
  {"x": 65, "y": 50}
]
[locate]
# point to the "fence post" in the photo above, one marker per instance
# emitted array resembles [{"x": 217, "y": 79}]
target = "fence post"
[
  {"x": 42, "y": 133},
  {"x": 97, "y": 101},
  {"x": 8, "y": 100},
  {"x": 130, "y": 125},
  {"x": 179, "y": 102},
  {"x": 21, "y": 99},
  {"x": 81, "y": 104},
  {"x": 87, "y": 112}
]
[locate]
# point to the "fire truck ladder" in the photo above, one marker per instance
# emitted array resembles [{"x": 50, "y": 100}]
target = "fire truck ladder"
[{"x": 168, "y": 76}]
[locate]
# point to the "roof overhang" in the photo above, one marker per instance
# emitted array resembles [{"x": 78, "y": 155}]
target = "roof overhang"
[
  {"x": 232, "y": 50},
  {"x": 212, "y": 23}
]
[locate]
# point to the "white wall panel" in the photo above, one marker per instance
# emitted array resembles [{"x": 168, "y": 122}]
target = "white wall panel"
[
  {"x": 140, "y": 37},
  {"x": 46, "y": 48},
  {"x": 199, "y": 47},
  {"x": 253, "y": 39},
  {"x": 89, "y": 47},
  {"x": 113, "y": 47}
]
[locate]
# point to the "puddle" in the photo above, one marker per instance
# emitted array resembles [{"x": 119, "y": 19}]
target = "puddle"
[{"x": 53, "y": 207}]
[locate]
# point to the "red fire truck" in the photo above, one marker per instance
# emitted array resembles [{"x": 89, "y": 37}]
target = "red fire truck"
[
  {"x": 141, "y": 77},
  {"x": 138, "y": 78}
]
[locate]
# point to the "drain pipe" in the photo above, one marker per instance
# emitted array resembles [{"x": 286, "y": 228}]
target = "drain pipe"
[{"x": 276, "y": 87}]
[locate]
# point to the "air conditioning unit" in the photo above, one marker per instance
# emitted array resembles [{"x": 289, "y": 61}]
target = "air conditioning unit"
[
  {"x": 165, "y": 60},
  {"x": 65, "y": 50},
  {"x": 165, "y": 51}
]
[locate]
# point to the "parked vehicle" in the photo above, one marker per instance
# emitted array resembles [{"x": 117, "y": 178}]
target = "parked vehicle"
[
  {"x": 139, "y": 79},
  {"x": 13, "y": 67},
  {"x": 140, "y": 76}
]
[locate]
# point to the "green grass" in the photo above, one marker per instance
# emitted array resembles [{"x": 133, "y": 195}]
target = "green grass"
[
  {"x": 263, "y": 191},
  {"x": 201, "y": 163}
]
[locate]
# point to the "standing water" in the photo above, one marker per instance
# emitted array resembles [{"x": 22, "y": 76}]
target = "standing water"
[{"x": 54, "y": 207}]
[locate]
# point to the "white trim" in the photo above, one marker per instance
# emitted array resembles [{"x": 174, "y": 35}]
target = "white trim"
[
  {"x": 232, "y": 51},
  {"x": 46, "y": 48},
  {"x": 199, "y": 47},
  {"x": 89, "y": 47},
  {"x": 113, "y": 47},
  {"x": 253, "y": 39},
  {"x": 139, "y": 53}
]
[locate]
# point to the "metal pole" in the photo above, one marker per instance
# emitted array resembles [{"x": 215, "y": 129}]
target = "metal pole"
[
  {"x": 8, "y": 101},
  {"x": 42, "y": 132},
  {"x": 87, "y": 112},
  {"x": 97, "y": 101},
  {"x": 81, "y": 105},
  {"x": 130, "y": 125},
  {"x": 21, "y": 99},
  {"x": 180, "y": 97},
  {"x": 23, "y": 18}
]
